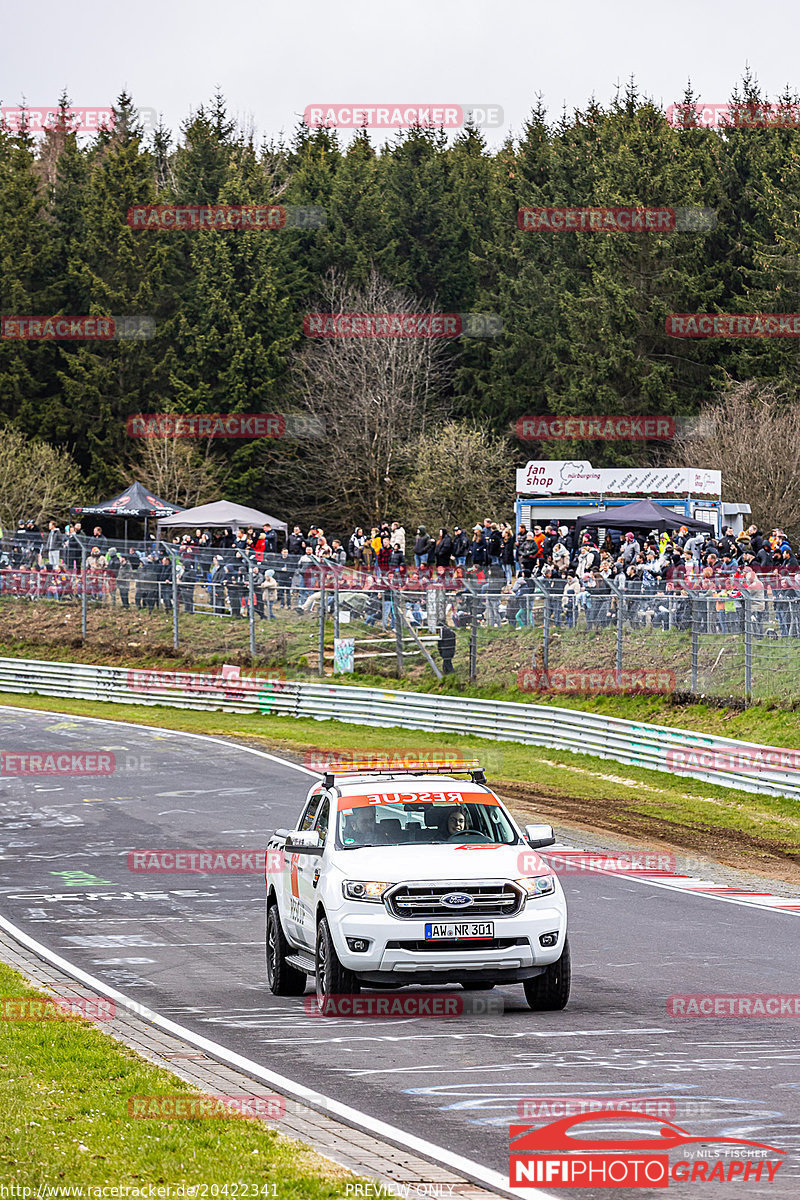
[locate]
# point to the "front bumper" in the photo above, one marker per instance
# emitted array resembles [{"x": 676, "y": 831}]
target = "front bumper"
[{"x": 397, "y": 950}]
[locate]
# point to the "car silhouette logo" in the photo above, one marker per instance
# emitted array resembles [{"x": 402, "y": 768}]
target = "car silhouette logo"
[
  {"x": 558, "y": 1136},
  {"x": 457, "y": 900}
]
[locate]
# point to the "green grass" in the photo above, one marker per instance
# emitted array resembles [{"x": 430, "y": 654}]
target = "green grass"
[
  {"x": 681, "y": 802},
  {"x": 64, "y": 1092}
]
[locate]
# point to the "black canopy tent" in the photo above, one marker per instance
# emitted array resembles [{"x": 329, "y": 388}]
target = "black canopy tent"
[
  {"x": 136, "y": 501},
  {"x": 641, "y": 514}
]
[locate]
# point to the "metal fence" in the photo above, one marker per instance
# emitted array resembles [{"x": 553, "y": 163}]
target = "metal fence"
[
  {"x": 744, "y": 765},
  {"x": 719, "y": 637}
]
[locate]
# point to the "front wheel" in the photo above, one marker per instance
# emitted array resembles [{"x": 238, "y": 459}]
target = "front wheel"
[
  {"x": 550, "y": 990},
  {"x": 283, "y": 979},
  {"x": 332, "y": 978}
]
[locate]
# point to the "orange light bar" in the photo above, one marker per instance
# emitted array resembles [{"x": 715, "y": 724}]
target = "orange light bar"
[{"x": 402, "y": 766}]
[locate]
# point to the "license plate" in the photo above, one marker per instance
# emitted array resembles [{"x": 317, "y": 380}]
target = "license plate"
[{"x": 459, "y": 930}]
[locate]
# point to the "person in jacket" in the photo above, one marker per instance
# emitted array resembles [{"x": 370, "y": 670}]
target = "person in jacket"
[
  {"x": 188, "y": 578},
  {"x": 443, "y": 549},
  {"x": 124, "y": 577},
  {"x": 217, "y": 586},
  {"x": 507, "y": 555},
  {"x": 422, "y": 546},
  {"x": 338, "y": 555},
  {"x": 460, "y": 546},
  {"x": 295, "y": 543},
  {"x": 478, "y": 548},
  {"x": 398, "y": 538},
  {"x": 269, "y": 593},
  {"x": 630, "y": 548},
  {"x": 283, "y": 577},
  {"x": 53, "y": 544},
  {"x": 355, "y": 547}
]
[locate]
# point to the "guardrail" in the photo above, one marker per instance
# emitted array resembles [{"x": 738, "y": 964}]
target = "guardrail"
[{"x": 724, "y": 761}]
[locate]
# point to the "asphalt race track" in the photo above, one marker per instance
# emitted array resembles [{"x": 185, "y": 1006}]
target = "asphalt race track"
[{"x": 191, "y": 946}]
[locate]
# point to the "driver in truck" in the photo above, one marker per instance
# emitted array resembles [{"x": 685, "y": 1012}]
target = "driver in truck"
[
  {"x": 456, "y": 822},
  {"x": 360, "y": 829}
]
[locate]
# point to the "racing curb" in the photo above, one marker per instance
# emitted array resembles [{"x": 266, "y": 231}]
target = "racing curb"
[{"x": 354, "y": 1149}]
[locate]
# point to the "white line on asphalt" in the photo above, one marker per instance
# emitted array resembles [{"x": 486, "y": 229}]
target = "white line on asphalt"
[{"x": 316, "y": 1100}]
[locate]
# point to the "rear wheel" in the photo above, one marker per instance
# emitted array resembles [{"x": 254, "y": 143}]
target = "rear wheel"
[
  {"x": 283, "y": 979},
  {"x": 550, "y": 990},
  {"x": 332, "y": 978}
]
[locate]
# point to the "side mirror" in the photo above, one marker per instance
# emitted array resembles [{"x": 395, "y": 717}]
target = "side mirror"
[
  {"x": 303, "y": 841},
  {"x": 539, "y": 836}
]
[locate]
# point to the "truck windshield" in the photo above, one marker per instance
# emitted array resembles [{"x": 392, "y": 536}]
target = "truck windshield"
[{"x": 419, "y": 823}]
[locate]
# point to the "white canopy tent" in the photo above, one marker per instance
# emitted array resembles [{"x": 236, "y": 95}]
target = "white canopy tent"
[{"x": 222, "y": 514}]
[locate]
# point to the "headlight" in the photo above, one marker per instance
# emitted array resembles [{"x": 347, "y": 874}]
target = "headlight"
[
  {"x": 355, "y": 889},
  {"x": 538, "y": 885}
]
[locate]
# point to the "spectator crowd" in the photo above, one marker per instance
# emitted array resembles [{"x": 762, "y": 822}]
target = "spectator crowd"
[{"x": 652, "y": 577}]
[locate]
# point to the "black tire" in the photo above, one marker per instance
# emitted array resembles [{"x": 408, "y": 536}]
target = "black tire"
[
  {"x": 550, "y": 990},
  {"x": 332, "y": 978},
  {"x": 283, "y": 979},
  {"x": 472, "y": 985}
]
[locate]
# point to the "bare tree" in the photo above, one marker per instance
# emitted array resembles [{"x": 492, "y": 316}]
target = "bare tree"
[
  {"x": 461, "y": 475},
  {"x": 751, "y": 433},
  {"x": 374, "y": 396},
  {"x": 178, "y": 472},
  {"x": 37, "y": 481}
]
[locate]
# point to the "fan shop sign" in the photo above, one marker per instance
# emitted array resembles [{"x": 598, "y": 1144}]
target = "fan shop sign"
[{"x": 579, "y": 478}]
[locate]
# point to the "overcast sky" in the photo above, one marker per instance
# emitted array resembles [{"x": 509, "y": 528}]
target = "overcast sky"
[{"x": 271, "y": 60}]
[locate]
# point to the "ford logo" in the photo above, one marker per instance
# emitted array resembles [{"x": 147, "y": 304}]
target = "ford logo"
[{"x": 457, "y": 900}]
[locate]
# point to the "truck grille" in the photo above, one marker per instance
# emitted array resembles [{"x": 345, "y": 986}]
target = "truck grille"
[
  {"x": 482, "y": 944},
  {"x": 421, "y": 901}
]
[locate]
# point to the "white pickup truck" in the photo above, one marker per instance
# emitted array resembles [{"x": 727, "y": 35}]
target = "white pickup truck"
[{"x": 414, "y": 877}]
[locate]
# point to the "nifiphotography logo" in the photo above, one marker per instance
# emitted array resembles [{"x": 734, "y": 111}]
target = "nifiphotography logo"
[{"x": 575, "y": 1152}]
